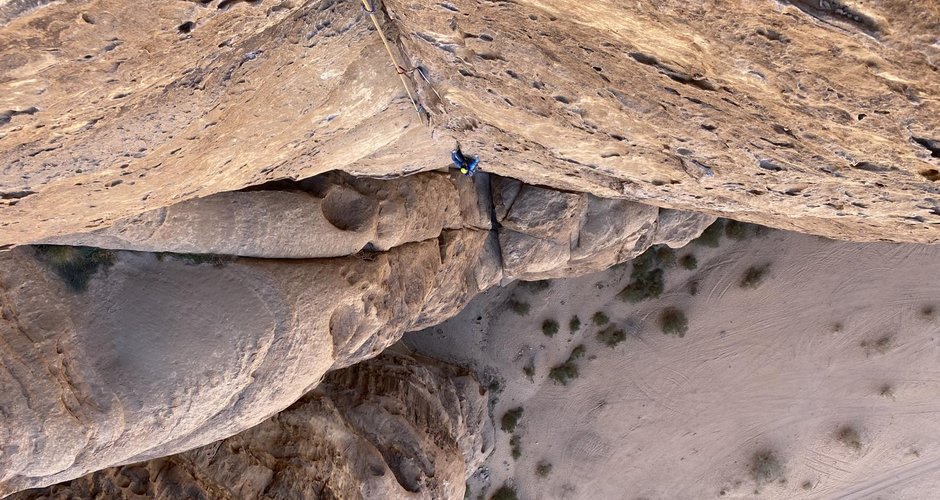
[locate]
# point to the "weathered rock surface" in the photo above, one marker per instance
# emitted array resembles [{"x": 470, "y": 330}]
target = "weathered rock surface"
[
  {"x": 156, "y": 357},
  {"x": 332, "y": 215},
  {"x": 395, "y": 426},
  {"x": 545, "y": 233},
  {"x": 112, "y": 357},
  {"x": 814, "y": 116}
]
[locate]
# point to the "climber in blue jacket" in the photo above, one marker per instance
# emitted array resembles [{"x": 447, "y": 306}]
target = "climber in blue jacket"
[{"x": 466, "y": 164}]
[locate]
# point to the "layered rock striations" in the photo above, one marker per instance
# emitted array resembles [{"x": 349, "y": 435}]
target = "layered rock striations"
[{"x": 395, "y": 426}]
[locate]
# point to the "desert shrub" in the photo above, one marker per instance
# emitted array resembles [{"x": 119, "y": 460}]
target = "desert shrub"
[
  {"x": 766, "y": 468},
  {"x": 510, "y": 419},
  {"x": 848, "y": 436},
  {"x": 688, "y": 261},
  {"x": 505, "y": 492},
  {"x": 886, "y": 391},
  {"x": 567, "y": 371},
  {"x": 647, "y": 279},
  {"x": 543, "y": 469},
  {"x": 536, "y": 286},
  {"x": 881, "y": 346},
  {"x": 517, "y": 306},
  {"x": 665, "y": 256},
  {"x": 672, "y": 321},
  {"x": 564, "y": 373},
  {"x": 927, "y": 312},
  {"x": 612, "y": 335},
  {"x": 575, "y": 324},
  {"x": 648, "y": 285},
  {"x": 515, "y": 446},
  {"x": 74, "y": 265},
  {"x": 529, "y": 369},
  {"x": 711, "y": 236},
  {"x": 753, "y": 276},
  {"x": 576, "y": 353},
  {"x": 600, "y": 319},
  {"x": 549, "y": 327}
]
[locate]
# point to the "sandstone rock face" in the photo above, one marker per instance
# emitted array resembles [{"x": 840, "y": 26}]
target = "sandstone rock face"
[
  {"x": 395, "y": 426},
  {"x": 112, "y": 357},
  {"x": 332, "y": 215},
  {"x": 549, "y": 234},
  {"x": 814, "y": 116}
]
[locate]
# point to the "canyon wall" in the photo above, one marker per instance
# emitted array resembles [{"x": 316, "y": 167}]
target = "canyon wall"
[
  {"x": 813, "y": 116},
  {"x": 112, "y": 356}
]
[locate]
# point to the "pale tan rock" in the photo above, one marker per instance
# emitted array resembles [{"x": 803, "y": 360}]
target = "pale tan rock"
[
  {"x": 153, "y": 357},
  {"x": 676, "y": 228},
  {"x": 798, "y": 115},
  {"x": 395, "y": 426},
  {"x": 331, "y": 215},
  {"x": 115, "y": 357}
]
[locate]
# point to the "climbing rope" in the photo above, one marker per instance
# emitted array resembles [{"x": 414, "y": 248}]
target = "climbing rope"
[{"x": 370, "y": 9}]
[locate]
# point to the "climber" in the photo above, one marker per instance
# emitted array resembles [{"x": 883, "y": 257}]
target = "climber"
[{"x": 466, "y": 164}]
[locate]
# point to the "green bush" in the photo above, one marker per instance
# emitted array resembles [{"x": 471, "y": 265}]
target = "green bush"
[
  {"x": 600, "y": 319},
  {"x": 505, "y": 492},
  {"x": 576, "y": 353},
  {"x": 575, "y": 324},
  {"x": 567, "y": 371},
  {"x": 74, "y": 265},
  {"x": 648, "y": 285},
  {"x": 673, "y": 322},
  {"x": 689, "y": 262},
  {"x": 711, "y": 236},
  {"x": 753, "y": 276},
  {"x": 515, "y": 446},
  {"x": 665, "y": 256},
  {"x": 529, "y": 369},
  {"x": 766, "y": 468},
  {"x": 543, "y": 469},
  {"x": 549, "y": 327},
  {"x": 518, "y": 307},
  {"x": 564, "y": 373},
  {"x": 612, "y": 336},
  {"x": 848, "y": 436},
  {"x": 647, "y": 278},
  {"x": 511, "y": 419}
]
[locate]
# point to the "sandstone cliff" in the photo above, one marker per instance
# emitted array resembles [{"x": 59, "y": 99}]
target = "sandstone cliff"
[
  {"x": 395, "y": 426},
  {"x": 112, "y": 356},
  {"x": 814, "y": 116},
  {"x": 279, "y": 132}
]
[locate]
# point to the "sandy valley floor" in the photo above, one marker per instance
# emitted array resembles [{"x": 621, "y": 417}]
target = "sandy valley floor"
[{"x": 821, "y": 382}]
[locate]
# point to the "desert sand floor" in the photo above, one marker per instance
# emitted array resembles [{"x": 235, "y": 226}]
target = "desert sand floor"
[{"x": 821, "y": 382}]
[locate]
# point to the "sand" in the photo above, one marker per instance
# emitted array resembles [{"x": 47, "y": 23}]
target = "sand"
[{"x": 830, "y": 367}]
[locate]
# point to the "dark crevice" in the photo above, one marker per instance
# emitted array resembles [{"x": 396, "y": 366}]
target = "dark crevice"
[
  {"x": 929, "y": 144},
  {"x": 834, "y": 11}
]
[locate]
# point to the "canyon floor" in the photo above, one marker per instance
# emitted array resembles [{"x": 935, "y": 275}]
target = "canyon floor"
[{"x": 817, "y": 379}]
